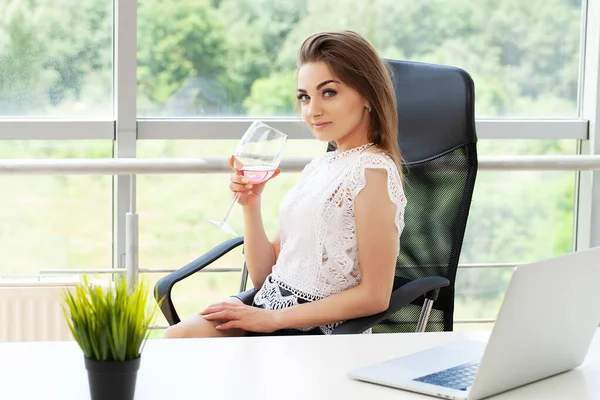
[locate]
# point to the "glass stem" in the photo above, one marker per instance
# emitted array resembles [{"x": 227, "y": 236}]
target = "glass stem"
[{"x": 235, "y": 199}]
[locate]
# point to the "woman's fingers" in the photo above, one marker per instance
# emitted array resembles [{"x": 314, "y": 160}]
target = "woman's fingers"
[
  {"x": 220, "y": 315},
  {"x": 234, "y": 163},
  {"x": 239, "y": 179},
  {"x": 243, "y": 181},
  {"x": 221, "y": 306},
  {"x": 229, "y": 325},
  {"x": 237, "y": 187},
  {"x": 277, "y": 172},
  {"x": 241, "y": 185},
  {"x": 222, "y": 311}
]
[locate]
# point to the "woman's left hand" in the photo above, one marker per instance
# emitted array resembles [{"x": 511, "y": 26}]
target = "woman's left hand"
[{"x": 241, "y": 316}]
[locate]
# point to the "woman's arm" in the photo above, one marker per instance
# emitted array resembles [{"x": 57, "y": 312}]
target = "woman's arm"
[
  {"x": 378, "y": 246},
  {"x": 260, "y": 253}
]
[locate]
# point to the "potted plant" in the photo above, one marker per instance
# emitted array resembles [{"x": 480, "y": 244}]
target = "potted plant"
[{"x": 110, "y": 323}]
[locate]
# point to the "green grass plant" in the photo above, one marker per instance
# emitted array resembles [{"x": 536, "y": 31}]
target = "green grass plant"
[{"x": 109, "y": 322}]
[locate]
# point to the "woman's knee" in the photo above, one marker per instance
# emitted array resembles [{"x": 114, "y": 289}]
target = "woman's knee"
[
  {"x": 184, "y": 330},
  {"x": 175, "y": 332},
  {"x": 195, "y": 326}
]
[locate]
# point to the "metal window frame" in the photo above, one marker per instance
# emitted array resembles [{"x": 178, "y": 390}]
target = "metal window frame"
[
  {"x": 178, "y": 129},
  {"x": 587, "y": 206},
  {"x": 57, "y": 129},
  {"x": 230, "y": 128},
  {"x": 125, "y": 111}
]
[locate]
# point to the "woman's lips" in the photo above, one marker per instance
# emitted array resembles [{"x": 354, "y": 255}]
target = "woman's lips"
[{"x": 321, "y": 125}]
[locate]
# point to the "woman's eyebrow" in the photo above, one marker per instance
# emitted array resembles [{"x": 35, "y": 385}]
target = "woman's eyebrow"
[{"x": 320, "y": 85}]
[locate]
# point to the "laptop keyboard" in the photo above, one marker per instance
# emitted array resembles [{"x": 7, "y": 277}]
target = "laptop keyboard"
[{"x": 459, "y": 378}]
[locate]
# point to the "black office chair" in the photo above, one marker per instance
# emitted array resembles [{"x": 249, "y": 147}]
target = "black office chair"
[{"x": 439, "y": 145}]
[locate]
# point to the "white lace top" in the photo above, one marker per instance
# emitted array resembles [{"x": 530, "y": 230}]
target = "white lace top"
[{"x": 319, "y": 252}]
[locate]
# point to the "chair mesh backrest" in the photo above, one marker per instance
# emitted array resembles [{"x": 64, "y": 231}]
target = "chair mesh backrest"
[{"x": 438, "y": 141}]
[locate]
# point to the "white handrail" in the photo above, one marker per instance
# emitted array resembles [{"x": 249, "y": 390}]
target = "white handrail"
[
  {"x": 222, "y": 269},
  {"x": 102, "y": 166},
  {"x": 539, "y": 163},
  {"x": 138, "y": 166}
]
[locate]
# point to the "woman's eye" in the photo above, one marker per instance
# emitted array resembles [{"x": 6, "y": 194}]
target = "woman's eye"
[
  {"x": 329, "y": 93},
  {"x": 303, "y": 97}
]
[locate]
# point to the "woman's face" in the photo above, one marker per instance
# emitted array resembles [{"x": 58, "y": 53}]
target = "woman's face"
[{"x": 332, "y": 110}]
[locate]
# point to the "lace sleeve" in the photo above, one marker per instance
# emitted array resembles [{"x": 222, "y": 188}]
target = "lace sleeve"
[{"x": 394, "y": 186}]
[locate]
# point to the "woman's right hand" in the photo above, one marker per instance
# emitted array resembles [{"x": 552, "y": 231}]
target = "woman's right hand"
[{"x": 249, "y": 193}]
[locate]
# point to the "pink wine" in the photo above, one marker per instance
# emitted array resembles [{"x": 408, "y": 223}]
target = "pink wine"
[{"x": 257, "y": 174}]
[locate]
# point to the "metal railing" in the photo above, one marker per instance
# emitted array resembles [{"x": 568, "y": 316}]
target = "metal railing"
[
  {"x": 139, "y": 166},
  {"x": 225, "y": 269},
  {"x": 140, "y": 270}
]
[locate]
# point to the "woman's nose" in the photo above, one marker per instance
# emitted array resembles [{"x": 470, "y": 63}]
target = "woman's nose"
[{"x": 315, "y": 109}]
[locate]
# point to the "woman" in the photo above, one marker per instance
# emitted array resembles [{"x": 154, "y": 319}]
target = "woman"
[{"x": 334, "y": 256}]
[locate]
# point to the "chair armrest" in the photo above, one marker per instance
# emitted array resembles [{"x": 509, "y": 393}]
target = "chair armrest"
[
  {"x": 162, "y": 289},
  {"x": 401, "y": 297}
]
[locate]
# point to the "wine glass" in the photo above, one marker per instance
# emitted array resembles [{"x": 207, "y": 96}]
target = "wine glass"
[{"x": 256, "y": 157}]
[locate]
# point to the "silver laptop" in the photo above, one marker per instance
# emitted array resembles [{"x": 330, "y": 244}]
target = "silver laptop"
[{"x": 545, "y": 326}]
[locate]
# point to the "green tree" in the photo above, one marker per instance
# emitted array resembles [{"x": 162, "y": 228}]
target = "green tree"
[
  {"x": 50, "y": 51},
  {"x": 521, "y": 65},
  {"x": 182, "y": 66},
  {"x": 19, "y": 53},
  {"x": 256, "y": 31},
  {"x": 273, "y": 95}
]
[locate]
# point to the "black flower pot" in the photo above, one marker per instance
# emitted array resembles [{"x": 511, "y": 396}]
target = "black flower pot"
[{"x": 112, "y": 380}]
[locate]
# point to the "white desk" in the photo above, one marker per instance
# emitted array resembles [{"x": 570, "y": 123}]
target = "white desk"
[{"x": 258, "y": 368}]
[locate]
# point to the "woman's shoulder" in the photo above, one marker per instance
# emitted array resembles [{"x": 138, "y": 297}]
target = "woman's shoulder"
[{"x": 375, "y": 157}]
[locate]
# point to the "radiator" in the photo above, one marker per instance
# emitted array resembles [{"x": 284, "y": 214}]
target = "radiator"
[{"x": 30, "y": 311}]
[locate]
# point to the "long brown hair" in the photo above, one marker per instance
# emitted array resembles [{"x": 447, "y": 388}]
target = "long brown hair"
[{"x": 354, "y": 60}]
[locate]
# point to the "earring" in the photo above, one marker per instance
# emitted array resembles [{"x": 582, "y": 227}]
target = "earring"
[{"x": 368, "y": 108}]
